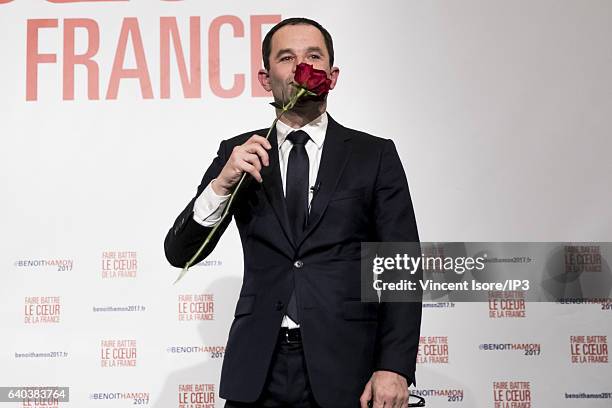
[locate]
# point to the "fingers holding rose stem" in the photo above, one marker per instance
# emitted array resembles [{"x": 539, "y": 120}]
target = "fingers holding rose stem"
[
  {"x": 248, "y": 157},
  {"x": 255, "y": 156}
]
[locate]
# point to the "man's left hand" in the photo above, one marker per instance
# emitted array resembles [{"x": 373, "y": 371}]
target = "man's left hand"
[{"x": 385, "y": 389}]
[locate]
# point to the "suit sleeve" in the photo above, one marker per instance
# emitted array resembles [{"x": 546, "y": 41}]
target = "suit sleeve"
[
  {"x": 186, "y": 235},
  {"x": 399, "y": 316}
]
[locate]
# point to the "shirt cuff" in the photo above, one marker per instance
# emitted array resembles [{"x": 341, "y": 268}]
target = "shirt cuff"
[{"x": 208, "y": 207}]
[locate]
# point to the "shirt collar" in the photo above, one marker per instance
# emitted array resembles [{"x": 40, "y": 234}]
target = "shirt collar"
[{"x": 316, "y": 130}]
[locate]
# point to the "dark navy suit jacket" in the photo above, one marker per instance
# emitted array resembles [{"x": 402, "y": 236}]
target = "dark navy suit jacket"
[{"x": 363, "y": 196}]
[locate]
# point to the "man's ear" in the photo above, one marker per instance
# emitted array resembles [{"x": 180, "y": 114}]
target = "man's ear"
[
  {"x": 333, "y": 75},
  {"x": 264, "y": 79}
]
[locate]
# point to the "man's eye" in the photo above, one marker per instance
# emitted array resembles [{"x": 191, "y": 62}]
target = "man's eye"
[
  {"x": 286, "y": 58},
  {"x": 315, "y": 56}
]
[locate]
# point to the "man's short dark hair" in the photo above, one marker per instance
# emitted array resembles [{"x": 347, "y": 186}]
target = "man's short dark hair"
[{"x": 266, "y": 46}]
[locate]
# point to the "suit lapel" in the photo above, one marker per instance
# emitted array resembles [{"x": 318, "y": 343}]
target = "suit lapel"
[
  {"x": 336, "y": 151},
  {"x": 273, "y": 187}
]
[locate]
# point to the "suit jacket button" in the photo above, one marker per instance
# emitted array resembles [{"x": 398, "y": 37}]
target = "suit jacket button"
[
  {"x": 298, "y": 264},
  {"x": 279, "y": 305}
]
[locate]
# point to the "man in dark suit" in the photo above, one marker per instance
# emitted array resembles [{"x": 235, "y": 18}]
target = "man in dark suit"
[{"x": 301, "y": 336}]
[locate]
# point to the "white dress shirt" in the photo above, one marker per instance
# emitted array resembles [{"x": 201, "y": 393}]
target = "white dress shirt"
[{"x": 209, "y": 206}]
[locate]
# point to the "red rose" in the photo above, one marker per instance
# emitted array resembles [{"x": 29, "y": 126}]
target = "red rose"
[
  {"x": 315, "y": 80},
  {"x": 302, "y": 73}
]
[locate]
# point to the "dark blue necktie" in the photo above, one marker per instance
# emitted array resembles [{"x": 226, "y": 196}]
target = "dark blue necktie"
[{"x": 296, "y": 196}]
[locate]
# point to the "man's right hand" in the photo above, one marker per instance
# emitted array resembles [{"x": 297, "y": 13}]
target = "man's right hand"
[{"x": 248, "y": 157}]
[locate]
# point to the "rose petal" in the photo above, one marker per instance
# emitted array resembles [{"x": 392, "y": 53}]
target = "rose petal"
[
  {"x": 317, "y": 78},
  {"x": 303, "y": 71},
  {"x": 322, "y": 88}
]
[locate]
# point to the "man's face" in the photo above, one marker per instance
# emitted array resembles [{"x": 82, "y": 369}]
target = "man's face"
[{"x": 292, "y": 45}]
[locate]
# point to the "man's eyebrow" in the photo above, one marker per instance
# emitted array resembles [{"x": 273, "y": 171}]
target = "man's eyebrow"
[
  {"x": 315, "y": 49},
  {"x": 284, "y": 51}
]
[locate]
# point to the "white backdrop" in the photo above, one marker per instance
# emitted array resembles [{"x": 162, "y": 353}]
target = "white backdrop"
[{"x": 501, "y": 112}]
